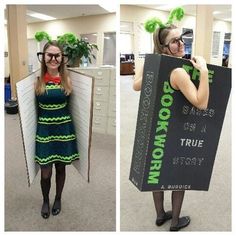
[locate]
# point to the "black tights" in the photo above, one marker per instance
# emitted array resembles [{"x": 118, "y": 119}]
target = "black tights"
[
  {"x": 176, "y": 199},
  {"x": 46, "y": 174}
]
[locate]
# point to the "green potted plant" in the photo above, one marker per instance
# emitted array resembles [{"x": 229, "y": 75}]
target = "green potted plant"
[{"x": 74, "y": 47}]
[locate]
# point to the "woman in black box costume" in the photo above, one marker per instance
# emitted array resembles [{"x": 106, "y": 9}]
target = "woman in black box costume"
[{"x": 169, "y": 40}]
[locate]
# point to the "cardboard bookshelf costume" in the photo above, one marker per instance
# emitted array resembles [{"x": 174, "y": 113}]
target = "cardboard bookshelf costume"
[
  {"x": 176, "y": 143},
  {"x": 81, "y": 109}
]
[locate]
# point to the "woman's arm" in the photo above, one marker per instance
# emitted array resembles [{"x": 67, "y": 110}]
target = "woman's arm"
[
  {"x": 139, "y": 64},
  {"x": 69, "y": 83},
  {"x": 180, "y": 80}
]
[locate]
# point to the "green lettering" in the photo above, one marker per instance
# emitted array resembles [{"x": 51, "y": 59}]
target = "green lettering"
[
  {"x": 156, "y": 164},
  {"x": 164, "y": 114},
  {"x": 167, "y": 88},
  {"x": 160, "y": 140},
  {"x": 187, "y": 68},
  {"x": 210, "y": 75},
  {"x": 153, "y": 177},
  {"x": 162, "y": 125},
  {"x": 195, "y": 74},
  {"x": 157, "y": 153},
  {"x": 166, "y": 100}
]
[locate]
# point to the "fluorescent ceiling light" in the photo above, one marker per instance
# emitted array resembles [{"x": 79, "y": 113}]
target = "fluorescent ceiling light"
[
  {"x": 168, "y": 7},
  {"x": 106, "y": 37},
  {"x": 40, "y": 16},
  {"x": 216, "y": 12},
  {"x": 110, "y": 7}
]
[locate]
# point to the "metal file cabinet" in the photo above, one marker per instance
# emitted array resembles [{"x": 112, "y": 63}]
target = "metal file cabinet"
[{"x": 104, "y": 99}]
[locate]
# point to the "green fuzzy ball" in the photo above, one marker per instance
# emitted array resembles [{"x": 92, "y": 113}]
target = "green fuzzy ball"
[
  {"x": 177, "y": 13},
  {"x": 151, "y": 25},
  {"x": 68, "y": 38},
  {"x": 40, "y": 36}
]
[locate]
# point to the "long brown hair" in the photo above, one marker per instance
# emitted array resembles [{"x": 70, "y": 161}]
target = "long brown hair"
[
  {"x": 159, "y": 38},
  {"x": 40, "y": 85}
]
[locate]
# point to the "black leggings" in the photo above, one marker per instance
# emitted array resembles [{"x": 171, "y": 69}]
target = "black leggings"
[
  {"x": 176, "y": 199},
  {"x": 46, "y": 174}
]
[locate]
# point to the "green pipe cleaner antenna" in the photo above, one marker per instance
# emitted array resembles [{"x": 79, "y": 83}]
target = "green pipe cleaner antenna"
[
  {"x": 40, "y": 36},
  {"x": 152, "y": 24}
]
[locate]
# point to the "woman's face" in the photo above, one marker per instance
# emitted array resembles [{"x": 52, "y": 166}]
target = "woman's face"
[
  {"x": 53, "y": 57},
  {"x": 173, "y": 44}
]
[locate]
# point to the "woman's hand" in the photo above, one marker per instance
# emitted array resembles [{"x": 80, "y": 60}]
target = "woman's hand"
[
  {"x": 199, "y": 63},
  {"x": 137, "y": 83}
]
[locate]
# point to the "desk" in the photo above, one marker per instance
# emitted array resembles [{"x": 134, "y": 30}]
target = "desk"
[{"x": 127, "y": 68}]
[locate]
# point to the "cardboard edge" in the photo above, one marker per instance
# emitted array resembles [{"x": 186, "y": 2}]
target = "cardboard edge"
[
  {"x": 91, "y": 119},
  {"x": 22, "y": 136},
  {"x": 156, "y": 76},
  {"x": 90, "y": 127}
]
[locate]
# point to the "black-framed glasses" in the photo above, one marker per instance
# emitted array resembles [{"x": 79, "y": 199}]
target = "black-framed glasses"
[
  {"x": 60, "y": 58},
  {"x": 174, "y": 44}
]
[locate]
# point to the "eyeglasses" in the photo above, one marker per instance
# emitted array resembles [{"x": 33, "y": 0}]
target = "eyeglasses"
[
  {"x": 174, "y": 44},
  {"x": 60, "y": 58}
]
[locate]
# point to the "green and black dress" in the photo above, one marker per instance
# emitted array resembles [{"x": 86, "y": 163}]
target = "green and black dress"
[{"x": 55, "y": 137}]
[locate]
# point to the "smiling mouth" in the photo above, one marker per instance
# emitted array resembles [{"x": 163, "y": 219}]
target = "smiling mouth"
[{"x": 53, "y": 63}]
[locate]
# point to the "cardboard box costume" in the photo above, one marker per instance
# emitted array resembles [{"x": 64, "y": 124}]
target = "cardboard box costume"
[
  {"x": 81, "y": 108},
  {"x": 175, "y": 143}
]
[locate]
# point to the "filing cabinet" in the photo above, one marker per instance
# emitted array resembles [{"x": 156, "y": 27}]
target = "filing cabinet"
[{"x": 104, "y": 99}]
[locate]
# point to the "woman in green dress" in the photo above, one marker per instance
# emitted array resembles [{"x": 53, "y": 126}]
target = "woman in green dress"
[{"x": 55, "y": 137}]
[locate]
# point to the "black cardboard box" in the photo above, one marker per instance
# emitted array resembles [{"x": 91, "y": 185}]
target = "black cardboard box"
[{"x": 175, "y": 143}]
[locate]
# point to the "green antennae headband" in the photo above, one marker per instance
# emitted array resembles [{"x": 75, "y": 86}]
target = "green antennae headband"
[
  {"x": 68, "y": 38},
  {"x": 40, "y": 36},
  {"x": 152, "y": 24}
]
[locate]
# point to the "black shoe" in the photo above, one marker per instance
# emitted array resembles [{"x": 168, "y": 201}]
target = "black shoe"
[
  {"x": 56, "y": 209},
  {"x": 183, "y": 222},
  {"x": 45, "y": 211},
  {"x": 161, "y": 221}
]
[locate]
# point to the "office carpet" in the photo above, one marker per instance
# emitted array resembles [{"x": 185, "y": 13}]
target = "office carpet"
[{"x": 85, "y": 206}]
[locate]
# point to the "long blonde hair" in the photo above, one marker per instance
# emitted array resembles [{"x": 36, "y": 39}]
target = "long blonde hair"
[
  {"x": 159, "y": 38},
  {"x": 40, "y": 85}
]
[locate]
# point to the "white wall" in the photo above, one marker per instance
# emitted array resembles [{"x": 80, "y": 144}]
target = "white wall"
[
  {"x": 222, "y": 27},
  {"x": 6, "y": 59}
]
